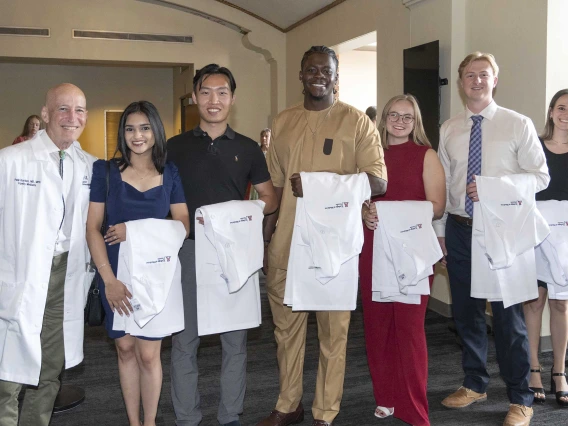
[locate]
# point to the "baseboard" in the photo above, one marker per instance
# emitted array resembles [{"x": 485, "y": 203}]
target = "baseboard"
[{"x": 444, "y": 309}]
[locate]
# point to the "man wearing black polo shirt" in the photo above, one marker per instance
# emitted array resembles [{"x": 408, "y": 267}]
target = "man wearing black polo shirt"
[{"x": 215, "y": 165}]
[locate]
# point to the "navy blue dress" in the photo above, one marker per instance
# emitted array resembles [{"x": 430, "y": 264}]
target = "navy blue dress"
[{"x": 127, "y": 203}]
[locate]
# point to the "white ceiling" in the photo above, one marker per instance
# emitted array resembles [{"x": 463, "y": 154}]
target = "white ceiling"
[{"x": 282, "y": 13}]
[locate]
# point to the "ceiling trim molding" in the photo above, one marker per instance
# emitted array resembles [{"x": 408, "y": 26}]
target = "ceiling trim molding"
[
  {"x": 254, "y": 15},
  {"x": 408, "y": 3},
  {"x": 294, "y": 25},
  {"x": 313, "y": 15},
  {"x": 235, "y": 27}
]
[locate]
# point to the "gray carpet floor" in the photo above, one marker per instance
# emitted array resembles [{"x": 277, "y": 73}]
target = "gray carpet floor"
[{"x": 103, "y": 405}]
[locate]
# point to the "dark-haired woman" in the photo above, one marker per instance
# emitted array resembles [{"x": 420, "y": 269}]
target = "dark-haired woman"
[
  {"x": 555, "y": 144},
  {"x": 142, "y": 185},
  {"x": 31, "y": 126}
]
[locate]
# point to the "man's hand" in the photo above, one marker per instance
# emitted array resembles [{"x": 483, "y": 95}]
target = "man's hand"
[
  {"x": 442, "y": 241},
  {"x": 471, "y": 191},
  {"x": 296, "y": 182},
  {"x": 370, "y": 217}
]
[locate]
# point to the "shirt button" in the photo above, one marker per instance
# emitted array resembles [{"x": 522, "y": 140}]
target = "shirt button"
[{"x": 227, "y": 245}]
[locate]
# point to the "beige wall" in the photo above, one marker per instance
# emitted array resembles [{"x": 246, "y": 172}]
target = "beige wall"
[
  {"x": 351, "y": 19},
  {"x": 106, "y": 88},
  {"x": 515, "y": 32},
  {"x": 212, "y": 43},
  {"x": 358, "y": 76},
  {"x": 556, "y": 48}
]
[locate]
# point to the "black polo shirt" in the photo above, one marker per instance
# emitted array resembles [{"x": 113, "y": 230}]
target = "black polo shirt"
[{"x": 215, "y": 171}]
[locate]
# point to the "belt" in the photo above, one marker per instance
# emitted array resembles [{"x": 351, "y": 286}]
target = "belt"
[{"x": 462, "y": 220}]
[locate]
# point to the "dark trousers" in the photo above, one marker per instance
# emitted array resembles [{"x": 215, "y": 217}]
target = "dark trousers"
[{"x": 511, "y": 339}]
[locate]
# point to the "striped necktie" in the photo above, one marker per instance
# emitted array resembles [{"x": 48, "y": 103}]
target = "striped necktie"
[{"x": 474, "y": 158}]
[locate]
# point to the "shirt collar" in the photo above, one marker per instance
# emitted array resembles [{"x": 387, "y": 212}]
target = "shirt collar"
[
  {"x": 487, "y": 113},
  {"x": 229, "y": 133},
  {"x": 53, "y": 149}
]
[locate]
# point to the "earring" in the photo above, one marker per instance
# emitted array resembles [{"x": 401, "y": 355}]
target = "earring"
[{"x": 334, "y": 91}]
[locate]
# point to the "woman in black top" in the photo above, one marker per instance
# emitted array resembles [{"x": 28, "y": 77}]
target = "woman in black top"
[{"x": 555, "y": 144}]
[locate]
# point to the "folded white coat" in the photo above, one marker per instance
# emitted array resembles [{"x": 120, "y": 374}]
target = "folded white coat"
[
  {"x": 229, "y": 253},
  {"x": 506, "y": 228},
  {"x": 149, "y": 267},
  {"x": 404, "y": 249},
  {"x": 552, "y": 253},
  {"x": 326, "y": 242}
]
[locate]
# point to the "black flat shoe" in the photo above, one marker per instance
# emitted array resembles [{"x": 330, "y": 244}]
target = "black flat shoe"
[
  {"x": 559, "y": 394},
  {"x": 538, "y": 400}
]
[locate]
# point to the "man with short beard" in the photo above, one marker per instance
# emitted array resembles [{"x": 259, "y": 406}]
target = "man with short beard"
[{"x": 321, "y": 134}]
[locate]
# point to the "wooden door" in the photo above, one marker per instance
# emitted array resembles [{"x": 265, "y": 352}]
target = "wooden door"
[
  {"x": 189, "y": 114},
  {"x": 112, "y": 119}
]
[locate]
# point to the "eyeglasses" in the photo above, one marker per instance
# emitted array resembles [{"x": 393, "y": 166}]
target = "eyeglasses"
[{"x": 394, "y": 116}]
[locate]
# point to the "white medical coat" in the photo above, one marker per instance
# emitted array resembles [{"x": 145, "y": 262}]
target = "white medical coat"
[
  {"x": 30, "y": 216},
  {"x": 404, "y": 249},
  {"x": 552, "y": 253},
  {"x": 229, "y": 250},
  {"x": 506, "y": 228},
  {"x": 326, "y": 242},
  {"x": 149, "y": 267}
]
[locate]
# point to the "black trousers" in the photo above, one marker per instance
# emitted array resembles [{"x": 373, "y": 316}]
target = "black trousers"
[{"x": 511, "y": 339}]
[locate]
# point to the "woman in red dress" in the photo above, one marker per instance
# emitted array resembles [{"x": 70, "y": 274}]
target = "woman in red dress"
[{"x": 394, "y": 332}]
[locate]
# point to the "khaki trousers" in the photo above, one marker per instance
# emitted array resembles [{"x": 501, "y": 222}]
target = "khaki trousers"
[
  {"x": 38, "y": 401},
  {"x": 290, "y": 333}
]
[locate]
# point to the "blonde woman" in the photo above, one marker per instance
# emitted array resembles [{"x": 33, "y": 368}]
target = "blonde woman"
[{"x": 394, "y": 332}]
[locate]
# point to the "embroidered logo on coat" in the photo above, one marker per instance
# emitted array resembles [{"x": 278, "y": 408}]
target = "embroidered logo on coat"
[{"x": 338, "y": 205}]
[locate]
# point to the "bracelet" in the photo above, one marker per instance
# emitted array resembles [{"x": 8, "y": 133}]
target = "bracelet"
[{"x": 104, "y": 264}]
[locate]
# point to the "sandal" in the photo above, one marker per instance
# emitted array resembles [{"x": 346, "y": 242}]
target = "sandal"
[
  {"x": 538, "y": 400},
  {"x": 383, "y": 412},
  {"x": 559, "y": 394}
]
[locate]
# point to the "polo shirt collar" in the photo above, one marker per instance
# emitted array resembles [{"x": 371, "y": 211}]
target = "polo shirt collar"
[{"x": 229, "y": 133}]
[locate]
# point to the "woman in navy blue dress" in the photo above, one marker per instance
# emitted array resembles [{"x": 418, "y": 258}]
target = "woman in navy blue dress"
[{"x": 142, "y": 185}]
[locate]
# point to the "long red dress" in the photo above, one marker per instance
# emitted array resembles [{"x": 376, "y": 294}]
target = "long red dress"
[{"x": 394, "y": 332}]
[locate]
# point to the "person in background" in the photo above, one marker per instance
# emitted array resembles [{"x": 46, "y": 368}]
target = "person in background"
[
  {"x": 142, "y": 185},
  {"x": 44, "y": 194},
  {"x": 31, "y": 126},
  {"x": 555, "y": 144},
  {"x": 265, "y": 135},
  {"x": 394, "y": 331},
  {"x": 372, "y": 114}
]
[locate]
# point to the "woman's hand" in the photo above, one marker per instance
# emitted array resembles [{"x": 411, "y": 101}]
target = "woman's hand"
[
  {"x": 115, "y": 234},
  {"x": 117, "y": 296},
  {"x": 369, "y": 214}
]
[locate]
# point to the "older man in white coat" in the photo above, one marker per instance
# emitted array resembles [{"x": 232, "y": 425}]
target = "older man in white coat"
[{"x": 44, "y": 278}]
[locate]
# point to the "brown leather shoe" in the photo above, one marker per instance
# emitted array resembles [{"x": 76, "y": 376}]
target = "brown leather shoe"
[
  {"x": 317, "y": 422},
  {"x": 519, "y": 415},
  {"x": 277, "y": 418},
  {"x": 463, "y": 397}
]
